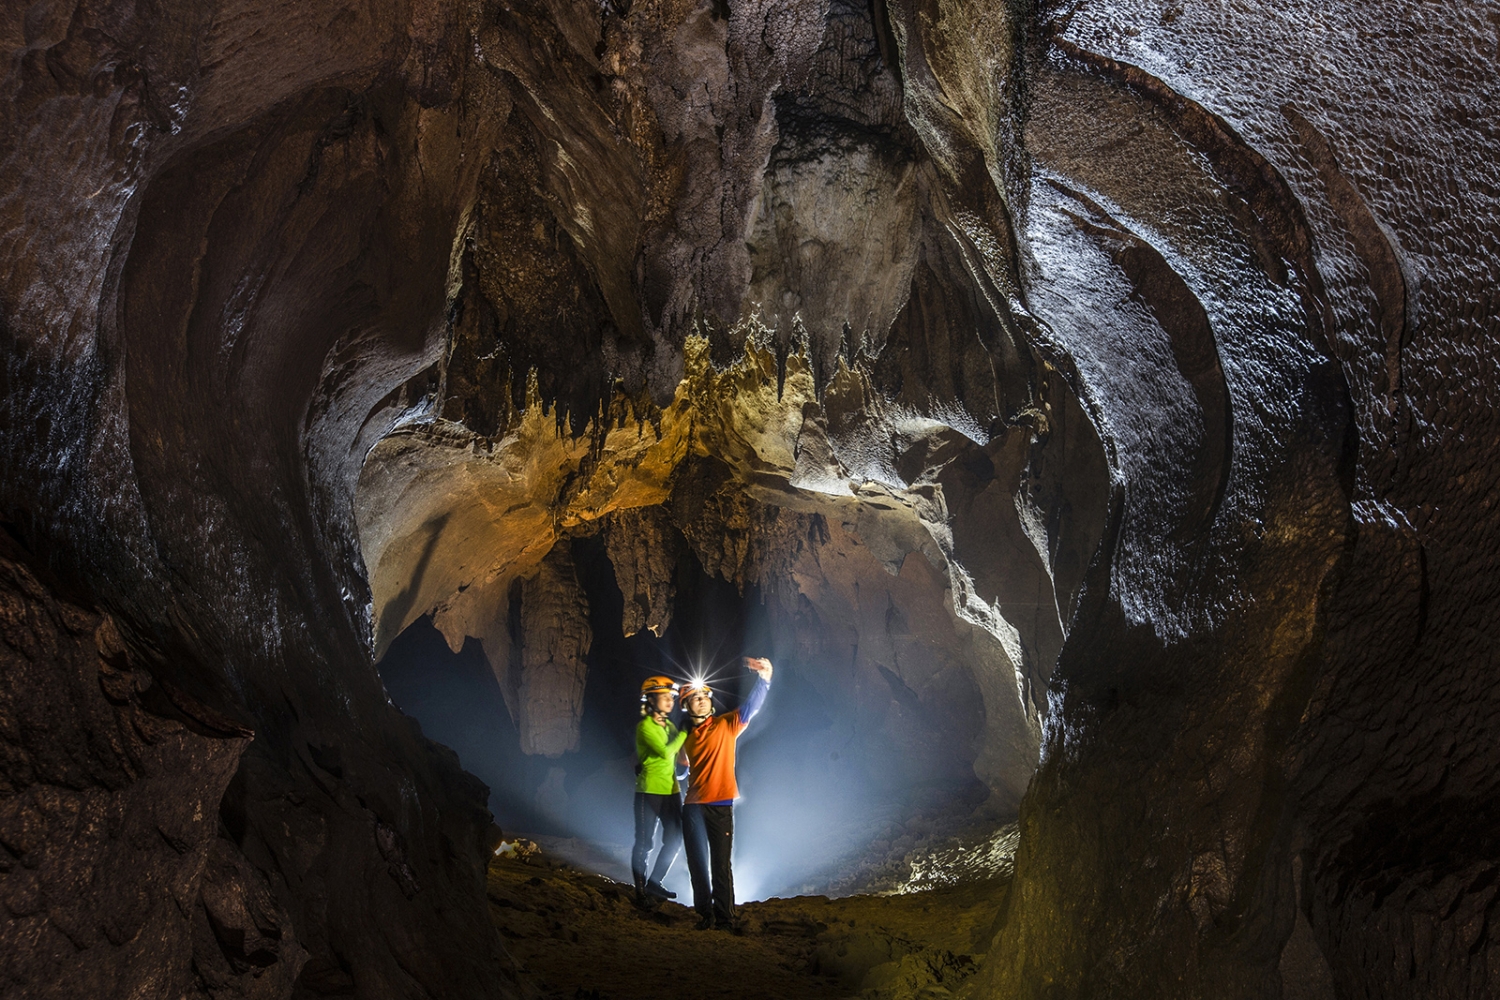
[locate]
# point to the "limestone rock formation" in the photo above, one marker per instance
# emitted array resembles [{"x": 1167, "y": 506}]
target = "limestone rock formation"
[
  {"x": 643, "y": 549},
  {"x": 228, "y": 230},
  {"x": 546, "y": 691},
  {"x": 109, "y": 821},
  {"x": 736, "y": 538},
  {"x": 1122, "y": 372},
  {"x": 763, "y": 486}
]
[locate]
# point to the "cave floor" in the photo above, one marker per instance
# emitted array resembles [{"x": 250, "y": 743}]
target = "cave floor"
[{"x": 575, "y": 935}]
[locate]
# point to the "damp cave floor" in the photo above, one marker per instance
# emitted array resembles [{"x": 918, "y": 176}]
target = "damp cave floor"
[{"x": 571, "y": 934}]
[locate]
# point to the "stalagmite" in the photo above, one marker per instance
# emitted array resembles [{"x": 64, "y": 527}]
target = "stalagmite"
[{"x": 554, "y": 638}]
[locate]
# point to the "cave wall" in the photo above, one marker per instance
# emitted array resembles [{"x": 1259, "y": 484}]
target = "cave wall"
[
  {"x": 109, "y": 820},
  {"x": 1212, "y": 283},
  {"x": 228, "y": 236},
  {"x": 1297, "y": 763}
]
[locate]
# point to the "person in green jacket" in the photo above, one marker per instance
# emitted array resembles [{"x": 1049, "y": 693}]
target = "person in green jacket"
[{"x": 658, "y": 799}]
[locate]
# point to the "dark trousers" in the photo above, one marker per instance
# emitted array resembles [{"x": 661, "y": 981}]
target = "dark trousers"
[
  {"x": 651, "y": 811},
  {"x": 708, "y": 835}
]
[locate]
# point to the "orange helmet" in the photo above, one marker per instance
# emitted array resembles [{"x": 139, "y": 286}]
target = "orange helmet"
[
  {"x": 693, "y": 687},
  {"x": 657, "y": 685}
]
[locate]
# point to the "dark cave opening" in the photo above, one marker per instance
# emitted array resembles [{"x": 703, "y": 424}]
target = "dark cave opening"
[{"x": 819, "y": 805}]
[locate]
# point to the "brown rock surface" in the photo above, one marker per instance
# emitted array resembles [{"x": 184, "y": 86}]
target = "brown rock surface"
[
  {"x": 1121, "y": 372},
  {"x": 228, "y": 230},
  {"x": 1365, "y": 742},
  {"x": 117, "y": 878},
  {"x": 571, "y": 933},
  {"x": 644, "y": 548},
  {"x": 554, "y": 636}
]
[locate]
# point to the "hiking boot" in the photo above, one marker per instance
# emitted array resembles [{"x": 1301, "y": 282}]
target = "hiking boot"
[
  {"x": 642, "y": 899},
  {"x": 659, "y": 891},
  {"x": 705, "y": 923}
]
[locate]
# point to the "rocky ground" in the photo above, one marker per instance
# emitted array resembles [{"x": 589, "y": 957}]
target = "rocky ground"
[
  {"x": 1110, "y": 384},
  {"x": 575, "y": 935}
]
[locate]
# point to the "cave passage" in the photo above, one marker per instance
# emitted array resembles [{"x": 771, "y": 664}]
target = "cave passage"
[
  {"x": 1091, "y": 408},
  {"x": 815, "y": 814},
  {"x": 911, "y": 585}
]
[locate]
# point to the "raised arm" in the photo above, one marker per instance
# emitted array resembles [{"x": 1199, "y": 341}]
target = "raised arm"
[{"x": 757, "y": 698}]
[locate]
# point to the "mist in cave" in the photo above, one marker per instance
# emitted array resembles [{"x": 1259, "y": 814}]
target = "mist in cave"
[{"x": 810, "y": 804}]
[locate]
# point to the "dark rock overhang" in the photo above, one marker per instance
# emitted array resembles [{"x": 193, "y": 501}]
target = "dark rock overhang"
[{"x": 1226, "y": 281}]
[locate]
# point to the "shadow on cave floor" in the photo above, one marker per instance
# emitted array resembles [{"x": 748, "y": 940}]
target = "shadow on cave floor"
[{"x": 572, "y": 934}]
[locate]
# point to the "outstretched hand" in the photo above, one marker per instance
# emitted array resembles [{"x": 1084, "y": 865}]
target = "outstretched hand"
[{"x": 760, "y": 665}]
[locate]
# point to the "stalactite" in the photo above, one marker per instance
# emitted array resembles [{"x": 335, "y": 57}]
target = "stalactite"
[{"x": 644, "y": 547}]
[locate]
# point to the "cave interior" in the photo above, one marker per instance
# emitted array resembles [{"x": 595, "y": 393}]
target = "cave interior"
[{"x": 1089, "y": 407}]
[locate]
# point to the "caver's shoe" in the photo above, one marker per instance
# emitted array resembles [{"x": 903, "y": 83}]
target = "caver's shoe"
[
  {"x": 705, "y": 923},
  {"x": 659, "y": 891},
  {"x": 643, "y": 898}
]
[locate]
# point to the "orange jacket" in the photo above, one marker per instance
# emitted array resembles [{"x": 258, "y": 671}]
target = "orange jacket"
[
  {"x": 710, "y": 751},
  {"x": 710, "y": 754}
]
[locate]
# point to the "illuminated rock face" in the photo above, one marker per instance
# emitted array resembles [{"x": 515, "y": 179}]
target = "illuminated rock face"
[
  {"x": 745, "y": 472},
  {"x": 1126, "y": 377}
]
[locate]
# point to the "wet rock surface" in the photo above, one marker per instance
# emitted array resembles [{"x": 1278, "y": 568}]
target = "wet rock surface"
[
  {"x": 186, "y": 301},
  {"x": 1120, "y": 373},
  {"x": 118, "y": 879},
  {"x": 1374, "y": 241}
]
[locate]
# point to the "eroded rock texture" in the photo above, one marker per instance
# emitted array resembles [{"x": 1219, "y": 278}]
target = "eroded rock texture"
[
  {"x": 1345, "y": 604},
  {"x": 1119, "y": 372},
  {"x": 553, "y": 634},
  {"x": 113, "y": 848},
  {"x": 643, "y": 549},
  {"x": 745, "y": 474},
  {"x": 228, "y": 231}
]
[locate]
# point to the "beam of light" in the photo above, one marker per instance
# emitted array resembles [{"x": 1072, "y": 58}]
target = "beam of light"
[
  {"x": 698, "y": 673},
  {"x": 817, "y": 789}
]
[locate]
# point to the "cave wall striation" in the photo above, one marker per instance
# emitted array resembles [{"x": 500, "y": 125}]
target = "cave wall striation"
[{"x": 1120, "y": 372}]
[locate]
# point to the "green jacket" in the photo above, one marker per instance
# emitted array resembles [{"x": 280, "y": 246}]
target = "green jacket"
[{"x": 656, "y": 748}]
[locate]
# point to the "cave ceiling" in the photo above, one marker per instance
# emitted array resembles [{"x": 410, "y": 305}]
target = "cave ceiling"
[{"x": 1141, "y": 355}]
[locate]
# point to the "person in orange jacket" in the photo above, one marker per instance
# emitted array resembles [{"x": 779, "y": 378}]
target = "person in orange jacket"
[{"x": 708, "y": 815}]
